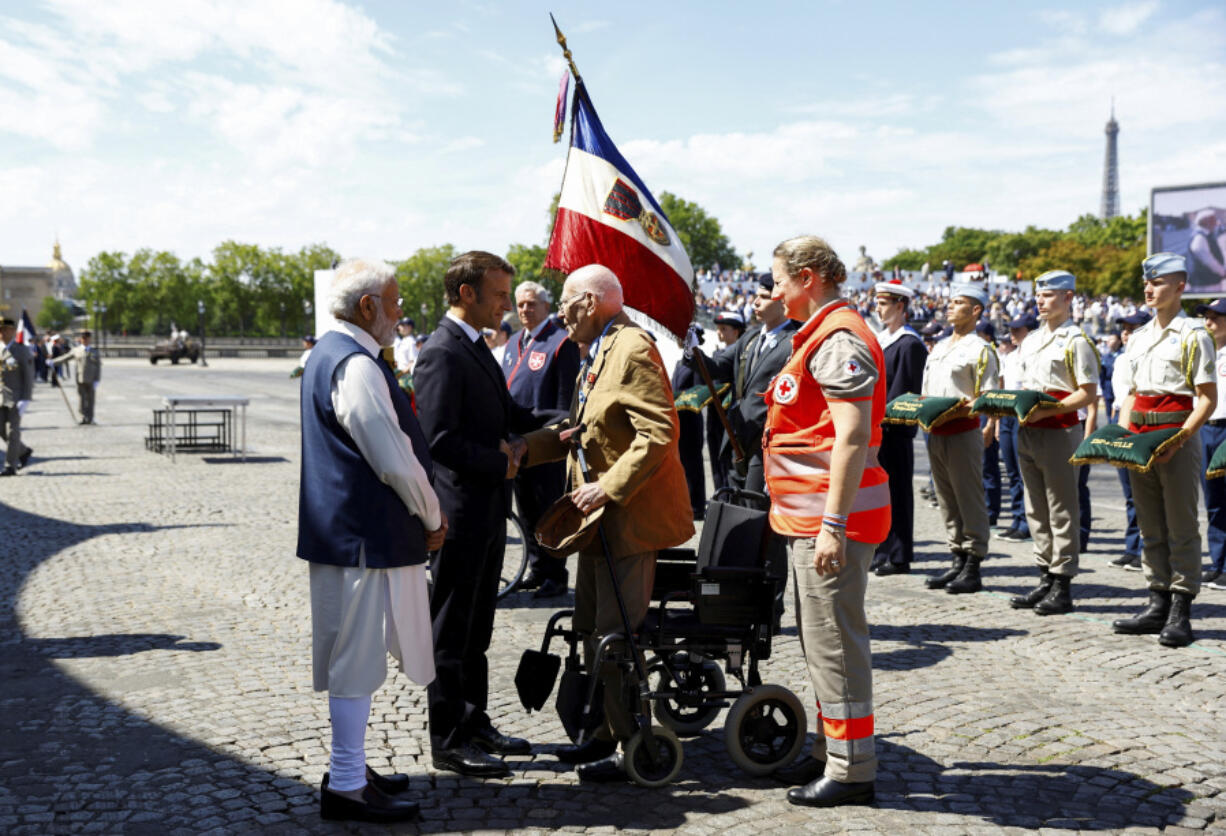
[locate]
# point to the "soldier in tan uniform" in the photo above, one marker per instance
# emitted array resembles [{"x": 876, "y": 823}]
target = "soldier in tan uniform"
[
  {"x": 1168, "y": 380},
  {"x": 961, "y": 366},
  {"x": 1058, "y": 359},
  {"x": 88, "y": 372}
]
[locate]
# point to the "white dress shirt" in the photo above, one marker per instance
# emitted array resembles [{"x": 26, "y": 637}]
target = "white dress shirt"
[{"x": 404, "y": 350}]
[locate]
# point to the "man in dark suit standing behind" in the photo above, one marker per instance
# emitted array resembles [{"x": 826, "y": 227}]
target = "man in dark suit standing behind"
[
  {"x": 751, "y": 363},
  {"x": 541, "y": 365},
  {"x": 468, "y": 416}
]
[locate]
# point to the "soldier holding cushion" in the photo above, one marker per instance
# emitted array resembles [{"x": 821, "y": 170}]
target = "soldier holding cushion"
[
  {"x": 1057, "y": 359},
  {"x": 1168, "y": 379},
  {"x": 961, "y": 366}
]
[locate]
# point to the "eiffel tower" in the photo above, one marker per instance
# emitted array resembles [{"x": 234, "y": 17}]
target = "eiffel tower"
[{"x": 1111, "y": 170}]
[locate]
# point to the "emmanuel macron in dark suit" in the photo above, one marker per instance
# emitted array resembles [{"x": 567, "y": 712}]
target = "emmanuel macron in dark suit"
[{"x": 468, "y": 416}]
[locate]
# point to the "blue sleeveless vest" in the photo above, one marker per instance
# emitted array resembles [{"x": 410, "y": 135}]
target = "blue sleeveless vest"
[{"x": 341, "y": 502}]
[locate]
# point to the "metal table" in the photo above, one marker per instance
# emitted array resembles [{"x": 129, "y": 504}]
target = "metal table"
[{"x": 234, "y": 402}]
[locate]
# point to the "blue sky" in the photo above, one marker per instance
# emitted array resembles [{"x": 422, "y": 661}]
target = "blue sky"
[{"x": 383, "y": 127}]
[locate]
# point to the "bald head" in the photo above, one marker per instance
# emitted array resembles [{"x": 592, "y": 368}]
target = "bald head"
[
  {"x": 591, "y": 296},
  {"x": 599, "y": 281}
]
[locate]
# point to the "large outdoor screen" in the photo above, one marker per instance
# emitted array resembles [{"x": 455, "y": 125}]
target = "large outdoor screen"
[{"x": 1191, "y": 221}]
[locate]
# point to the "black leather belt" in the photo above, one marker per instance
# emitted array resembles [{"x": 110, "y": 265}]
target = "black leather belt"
[
  {"x": 1216, "y": 422},
  {"x": 1153, "y": 419}
]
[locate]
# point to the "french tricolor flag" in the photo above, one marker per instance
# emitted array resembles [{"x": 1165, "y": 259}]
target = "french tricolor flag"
[
  {"x": 607, "y": 216},
  {"x": 25, "y": 329}
]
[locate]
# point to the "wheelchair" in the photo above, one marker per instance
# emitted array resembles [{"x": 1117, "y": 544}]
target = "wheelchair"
[{"x": 714, "y": 614}]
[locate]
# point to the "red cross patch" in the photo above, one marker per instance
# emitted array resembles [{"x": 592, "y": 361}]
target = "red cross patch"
[
  {"x": 536, "y": 360},
  {"x": 853, "y": 367},
  {"x": 786, "y": 389}
]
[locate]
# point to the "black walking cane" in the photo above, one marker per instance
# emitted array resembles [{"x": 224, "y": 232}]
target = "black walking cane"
[{"x": 644, "y": 687}]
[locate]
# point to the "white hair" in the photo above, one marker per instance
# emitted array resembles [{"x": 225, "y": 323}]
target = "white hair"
[
  {"x": 355, "y": 278},
  {"x": 542, "y": 295},
  {"x": 601, "y": 282}
]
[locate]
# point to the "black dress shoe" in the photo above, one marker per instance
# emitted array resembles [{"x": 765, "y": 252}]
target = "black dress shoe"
[
  {"x": 804, "y": 771},
  {"x": 604, "y": 771},
  {"x": 468, "y": 760},
  {"x": 25, "y": 457},
  {"x": 393, "y": 784},
  {"x": 888, "y": 568},
  {"x": 827, "y": 792},
  {"x": 490, "y": 740},
  {"x": 593, "y": 750},
  {"x": 9, "y": 471},
  {"x": 528, "y": 582},
  {"x": 550, "y": 589},
  {"x": 375, "y": 806}
]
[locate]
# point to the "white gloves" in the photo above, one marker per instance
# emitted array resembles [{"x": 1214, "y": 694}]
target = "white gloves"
[
  {"x": 21, "y": 407},
  {"x": 693, "y": 337}
]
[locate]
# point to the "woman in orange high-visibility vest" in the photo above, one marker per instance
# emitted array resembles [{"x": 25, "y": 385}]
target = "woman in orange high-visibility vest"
[{"x": 831, "y": 499}]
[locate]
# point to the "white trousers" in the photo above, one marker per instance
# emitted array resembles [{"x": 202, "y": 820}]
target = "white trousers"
[{"x": 360, "y": 615}]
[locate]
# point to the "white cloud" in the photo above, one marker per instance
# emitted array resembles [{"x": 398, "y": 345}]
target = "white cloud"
[{"x": 1126, "y": 19}]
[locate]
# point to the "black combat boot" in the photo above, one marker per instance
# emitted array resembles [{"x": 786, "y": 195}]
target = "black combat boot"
[
  {"x": 955, "y": 569},
  {"x": 968, "y": 579},
  {"x": 1178, "y": 629},
  {"x": 1151, "y": 620},
  {"x": 1034, "y": 596},
  {"x": 1058, "y": 599}
]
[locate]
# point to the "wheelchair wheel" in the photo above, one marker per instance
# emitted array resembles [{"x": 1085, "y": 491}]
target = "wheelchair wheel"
[
  {"x": 693, "y": 711},
  {"x": 765, "y": 729},
  {"x": 668, "y": 758},
  {"x": 515, "y": 558}
]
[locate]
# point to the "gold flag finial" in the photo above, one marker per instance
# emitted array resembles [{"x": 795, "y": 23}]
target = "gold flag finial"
[{"x": 565, "y": 51}]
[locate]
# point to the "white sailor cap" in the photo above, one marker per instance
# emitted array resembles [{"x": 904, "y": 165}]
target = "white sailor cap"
[
  {"x": 1163, "y": 264},
  {"x": 730, "y": 318},
  {"x": 894, "y": 287},
  {"x": 1056, "y": 280},
  {"x": 971, "y": 290}
]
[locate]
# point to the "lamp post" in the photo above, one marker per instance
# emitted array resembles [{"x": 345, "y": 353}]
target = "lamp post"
[
  {"x": 282, "y": 320},
  {"x": 95, "y": 322},
  {"x": 200, "y": 327},
  {"x": 307, "y": 307},
  {"x": 102, "y": 310}
]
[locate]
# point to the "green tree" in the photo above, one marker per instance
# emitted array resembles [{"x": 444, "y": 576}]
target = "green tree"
[
  {"x": 906, "y": 260},
  {"x": 55, "y": 314},
  {"x": 700, "y": 234},
  {"x": 420, "y": 277},
  {"x": 106, "y": 279},
  {"x": 529, "y": 262}
]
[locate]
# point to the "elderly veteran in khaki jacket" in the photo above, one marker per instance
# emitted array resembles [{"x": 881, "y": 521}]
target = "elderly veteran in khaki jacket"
[{"x": 624, "y": 403}]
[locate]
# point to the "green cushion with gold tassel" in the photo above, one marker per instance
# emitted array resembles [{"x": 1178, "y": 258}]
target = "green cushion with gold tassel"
[
  {"x": 1217, "y": 464},
  {"x": 1135, "y": 451},
  {"x": 924, "y": 410},
  {"x": 1011, "y": 403},
  {"x": 696, "y": 398}
]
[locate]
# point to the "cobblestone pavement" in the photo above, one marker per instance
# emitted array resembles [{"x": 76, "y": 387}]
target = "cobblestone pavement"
[{"x": 154, "y": 672}]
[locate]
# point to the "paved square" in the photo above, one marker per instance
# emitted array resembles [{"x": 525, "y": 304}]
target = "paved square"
[{"x": 155, "y": 675}]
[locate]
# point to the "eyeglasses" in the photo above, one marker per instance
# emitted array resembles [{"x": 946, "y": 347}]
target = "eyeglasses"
[
  {"x": 563, "y": 304},
  {"x": 399, "y": 301}
]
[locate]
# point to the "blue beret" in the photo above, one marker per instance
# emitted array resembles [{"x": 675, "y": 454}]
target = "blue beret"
[
  {"x": 730, "y": 318},
  {"x": 1026, "y": 320},
  {"x": 1217, "y": 306},
  {"x": 1136, "y": 320},
  {"x": 1056, "y": 280},
  {"x": 766, "y": 282},
  {"x": 970, "y": 290},
  {"x": 1162, "y": 264}
]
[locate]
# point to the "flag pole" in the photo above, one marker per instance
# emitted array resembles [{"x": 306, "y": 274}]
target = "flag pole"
[{"x": 566, "y": 52}]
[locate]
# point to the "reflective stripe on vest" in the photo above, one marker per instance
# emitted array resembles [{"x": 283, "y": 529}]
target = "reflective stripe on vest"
[{"x": 800, "y": 433}]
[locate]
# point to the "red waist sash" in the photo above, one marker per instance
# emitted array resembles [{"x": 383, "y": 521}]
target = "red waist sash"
[
  {"x": 1181, "y": 404},
  {"x": 1057, "y": 422}
]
